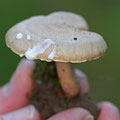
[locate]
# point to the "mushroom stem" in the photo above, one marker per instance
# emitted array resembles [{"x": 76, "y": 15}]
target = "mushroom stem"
[{"x": 67, "y": 78}]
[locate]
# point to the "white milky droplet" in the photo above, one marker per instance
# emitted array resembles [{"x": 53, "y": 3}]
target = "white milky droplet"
[
  {"x": 28, "y": 37},
  {"x": 52, "y": 54},
  {"x": 19, "y": 35},
  {"x": 21, "y": 55},
  {"x": 40, "y": 48}
]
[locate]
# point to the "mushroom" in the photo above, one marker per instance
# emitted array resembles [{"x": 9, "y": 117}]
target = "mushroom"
[
  {"x": 69, "y": 19},
  {"x": 57, "y": 37}
]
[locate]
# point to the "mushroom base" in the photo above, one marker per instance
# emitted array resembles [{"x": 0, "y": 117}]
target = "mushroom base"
[{"x": 49, "y": 99}]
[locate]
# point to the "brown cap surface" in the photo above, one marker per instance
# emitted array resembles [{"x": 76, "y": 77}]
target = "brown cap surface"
[{"x": 42, "y": 38}]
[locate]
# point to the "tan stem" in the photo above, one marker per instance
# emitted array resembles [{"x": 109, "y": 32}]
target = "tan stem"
[{"x": 67, "y": 78}]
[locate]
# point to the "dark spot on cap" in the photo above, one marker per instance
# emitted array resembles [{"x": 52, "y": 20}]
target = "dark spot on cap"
[{"x": 75, "y": 38}]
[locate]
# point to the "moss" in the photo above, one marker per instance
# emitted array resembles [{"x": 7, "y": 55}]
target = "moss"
[{"x": 49, "y": 93}]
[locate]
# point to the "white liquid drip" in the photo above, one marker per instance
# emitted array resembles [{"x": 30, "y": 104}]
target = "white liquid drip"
[
  {"x": 28, "y": 37},
  {"x": 52, "y": 54},
  {"x": 40, "y": 48},
  {"x": 21, "y": 55},
  {"x": 19, "y": 36}
]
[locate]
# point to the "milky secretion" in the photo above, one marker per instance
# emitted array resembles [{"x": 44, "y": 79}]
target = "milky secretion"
[
  {"x": 19, "y": 36},
  {"x": 21, "y": 55},
  {"x": 28, "y": 37},
  {"x": 40, "y": 48},
  {"x": 53, "y": 53}
]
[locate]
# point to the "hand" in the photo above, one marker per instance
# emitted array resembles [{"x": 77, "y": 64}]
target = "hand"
[{"x": 14, "y": 104}]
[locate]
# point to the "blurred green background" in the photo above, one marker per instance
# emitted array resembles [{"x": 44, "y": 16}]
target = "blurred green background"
[{"x": 103, "y": 17}]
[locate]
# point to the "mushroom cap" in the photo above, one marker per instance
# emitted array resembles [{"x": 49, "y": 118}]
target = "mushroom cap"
[
  {"x": 42, "y": 38},
  {"x": 69, "y": 18}
]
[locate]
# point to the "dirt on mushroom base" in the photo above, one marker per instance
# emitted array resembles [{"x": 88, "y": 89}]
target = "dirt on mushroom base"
[{"x": 48, "y": 96}]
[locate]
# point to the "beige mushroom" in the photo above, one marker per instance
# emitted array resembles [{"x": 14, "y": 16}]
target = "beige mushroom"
[
  {"x": 70, "y": 19},
  {"x": 63, "y": 42}
]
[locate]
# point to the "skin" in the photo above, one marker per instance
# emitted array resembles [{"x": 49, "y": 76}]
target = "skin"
[{"x": 14, "y": 104}]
